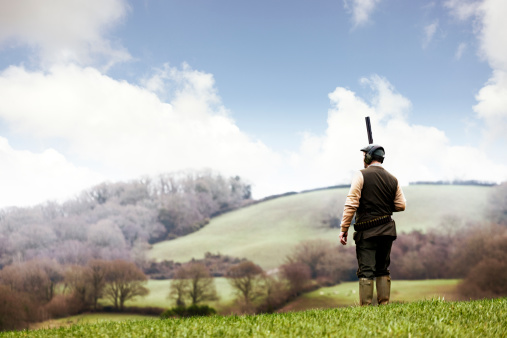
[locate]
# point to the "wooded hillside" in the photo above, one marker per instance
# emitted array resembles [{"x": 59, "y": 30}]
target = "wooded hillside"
[
  {"x": 267, "y": 232},
  {"x": 118, "y": 220}
]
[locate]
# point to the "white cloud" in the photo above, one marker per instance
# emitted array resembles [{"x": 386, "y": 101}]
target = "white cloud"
[
  {"x": 413, "y": 152},
  {"x": 130, "y": 132},
  {"x": 462, "y": 9},
  {"x": 490, "y": 26},
  {"x": 492, "y": 35},
  {"x": 429, "y": 33},
  {"x": 361, "y": 10},
  {"x": 28, "y": 178},
  {"x": 388, "y": 102},
  {"x": 460, "y": 50},
  {"x": 127, "y": 129},
  {"x": 492, "y": 106},
  {"x": 64, "y": 30}
]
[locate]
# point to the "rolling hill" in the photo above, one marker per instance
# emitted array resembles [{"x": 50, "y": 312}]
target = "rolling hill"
[{"x": 266, "y": 232}]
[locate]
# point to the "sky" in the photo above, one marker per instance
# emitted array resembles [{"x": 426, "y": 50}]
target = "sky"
[{"x": 273, "y": 91}]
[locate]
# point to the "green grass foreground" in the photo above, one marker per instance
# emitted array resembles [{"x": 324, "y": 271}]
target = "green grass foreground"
[
  {"x": 423, "y": 318},
  {"x": 88, "y": 318}
]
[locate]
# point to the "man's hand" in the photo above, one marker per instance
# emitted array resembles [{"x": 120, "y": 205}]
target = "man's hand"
[{"x": 343, "y": 237}]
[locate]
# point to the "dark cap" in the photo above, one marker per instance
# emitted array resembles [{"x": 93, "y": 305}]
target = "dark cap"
[{"x": 378, "y": 151}]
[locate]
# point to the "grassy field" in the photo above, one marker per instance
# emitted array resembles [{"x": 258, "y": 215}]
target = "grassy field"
[
  {"x": 342, "y": 295},
  {"x": 433, "y": 318},
  {"x": 346, "y": 294},
  {"x": 159, "y": 289},
  {"x": 88, "y": 318},
  {"x": 266, "y": 232}
]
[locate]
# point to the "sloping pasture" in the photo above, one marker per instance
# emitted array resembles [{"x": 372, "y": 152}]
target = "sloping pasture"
[{"x": 266, "y": 232}]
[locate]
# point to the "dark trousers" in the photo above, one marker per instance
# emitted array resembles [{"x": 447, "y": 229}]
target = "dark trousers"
[{"x": 374, "y": 256}]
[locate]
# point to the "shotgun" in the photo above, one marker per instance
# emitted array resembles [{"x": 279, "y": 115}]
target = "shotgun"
[{"x": 368, "y": 130}]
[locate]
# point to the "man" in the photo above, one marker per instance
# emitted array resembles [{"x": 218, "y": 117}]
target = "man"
[{"x": 374, "y": 195}]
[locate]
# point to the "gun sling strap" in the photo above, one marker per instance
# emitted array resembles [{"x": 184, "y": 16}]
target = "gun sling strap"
[{"x": 373, "y": 223}]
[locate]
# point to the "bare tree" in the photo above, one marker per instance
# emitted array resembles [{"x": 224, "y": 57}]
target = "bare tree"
[
  {"x": 86, "y": 283},
  {"x": 76, "y": 280},
  {"x": 312, "y": 253},
  {"x": 201, "y": 286},
  {"x": 482, "y": 258},
  {"x": 124, "y": 281},
  {"x": 179, "y": 287},
  {"x": 15, "y": 309},
  {"x": 245, "y": 277},
  {"x": 54, "y": 273},
  {"x": 97, "y": 280},
  {"x": 480, "y": 284},
  {"x": 31, "y": 278},
  {"x": 298, "y": 275},
  {"x": 339, "y": 264},
  {"x": 12, "y": 277},
  {"x": 275, "y": 294}
]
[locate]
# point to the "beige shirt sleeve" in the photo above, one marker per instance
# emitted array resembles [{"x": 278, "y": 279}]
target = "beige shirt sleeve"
[
  {"x": 399, "y": 201},
  {"x": 352, "y": 201}
]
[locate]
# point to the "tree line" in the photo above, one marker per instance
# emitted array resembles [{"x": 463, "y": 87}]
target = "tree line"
[
  {"x": 118, "y": 220},
  {"x": 42, "y": 289},
  {"x": 217, "y": 264},
  {"x": 473, "y": 252},
  {"x": 311, "y": 264}
]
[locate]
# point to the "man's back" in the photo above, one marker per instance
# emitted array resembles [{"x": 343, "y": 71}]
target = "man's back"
[{"x": 377, "y": 195}]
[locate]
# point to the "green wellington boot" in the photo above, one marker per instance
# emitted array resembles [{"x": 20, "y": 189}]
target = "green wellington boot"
[
  {"x": 383, "y": 289},
  {"x": 365, "y": 291}
]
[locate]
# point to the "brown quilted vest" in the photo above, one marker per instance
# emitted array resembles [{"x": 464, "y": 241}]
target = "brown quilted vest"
[{"x": 377, "y": 195}]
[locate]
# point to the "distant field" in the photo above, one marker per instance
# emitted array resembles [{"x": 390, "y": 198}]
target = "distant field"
[
  {"x": 159, "y": 289},
  {"x": 346, "y": 294},
  {"x": 266, "y": 232},
  {"x": 430, "y": 318}
]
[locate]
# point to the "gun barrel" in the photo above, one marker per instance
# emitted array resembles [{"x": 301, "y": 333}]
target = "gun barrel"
[{"x": 368, "y": 130}]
